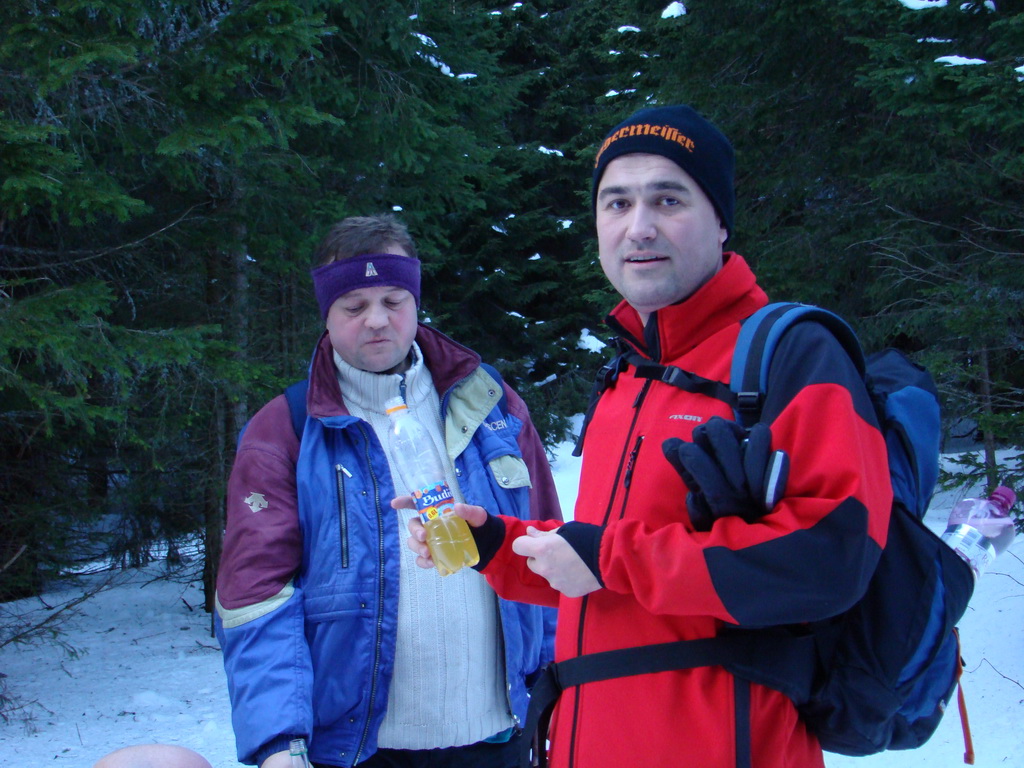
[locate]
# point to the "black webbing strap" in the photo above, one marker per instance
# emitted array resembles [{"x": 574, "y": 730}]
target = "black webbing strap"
[
  {"x": 648, "y": 369},
  {"x": 605, "y": 378},
  {"x": 739, "y": 650},
  {"x": 677, "y": 377}
]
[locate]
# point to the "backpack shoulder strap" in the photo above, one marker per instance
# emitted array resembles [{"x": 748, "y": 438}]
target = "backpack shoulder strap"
[
  {"x": 760, "y": 335},
  {"x": 295, "y": 394}
]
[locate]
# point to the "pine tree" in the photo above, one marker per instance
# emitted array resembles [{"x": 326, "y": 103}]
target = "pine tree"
[
  {"x": 778, "y": 79},
  {"x": 949, "y": 80},
  {"x": 187, "y": 157},
  {"x": 526, "y": 282},
  {"x": 169, "y": 167}
]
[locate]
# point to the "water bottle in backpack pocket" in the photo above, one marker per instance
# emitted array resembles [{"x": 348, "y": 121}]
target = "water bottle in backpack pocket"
[{"x": 981, "y": 529}]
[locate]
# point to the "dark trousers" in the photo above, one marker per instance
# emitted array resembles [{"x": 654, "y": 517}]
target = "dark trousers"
[{"x": 480, "y": 755}]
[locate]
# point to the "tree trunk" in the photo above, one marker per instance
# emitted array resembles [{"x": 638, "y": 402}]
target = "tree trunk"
[
  {"x": 239, "y": 316},
  {"x": 213, "y": 508},
  {"x": 228, "y": 419},
  {"x": 988, "y": 439}
]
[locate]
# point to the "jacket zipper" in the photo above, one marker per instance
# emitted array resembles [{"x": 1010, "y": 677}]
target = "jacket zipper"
[
  {"x": 378, "y": 641},
  {"x": 341, "y": 473},
  {"x": 625, "y": 471},
  {"x": 630, "y": 466},
  {"x": 628, "y": 461},
  {"x": 627, "y": 480}
]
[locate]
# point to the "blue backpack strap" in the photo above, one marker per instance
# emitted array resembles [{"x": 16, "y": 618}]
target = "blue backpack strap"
[
  {"x": 907, "y": 402},
  {"x": 295, "y": 394},
  {"x": 758, "y": 338}
]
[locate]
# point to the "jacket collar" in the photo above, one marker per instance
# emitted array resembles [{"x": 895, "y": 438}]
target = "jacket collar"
[
  {"x": 447, "y": 361},
  {"x": 730, "y": 296}
]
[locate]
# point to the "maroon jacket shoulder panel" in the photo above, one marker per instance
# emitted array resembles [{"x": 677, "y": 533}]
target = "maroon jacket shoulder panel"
[{"x": 264, "y": 546}]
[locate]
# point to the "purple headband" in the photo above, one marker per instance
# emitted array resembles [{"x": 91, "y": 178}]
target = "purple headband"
[{"x": 371, "y": 269}]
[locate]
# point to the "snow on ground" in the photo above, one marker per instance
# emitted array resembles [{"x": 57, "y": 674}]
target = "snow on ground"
[{"x": 136, "y": 664}]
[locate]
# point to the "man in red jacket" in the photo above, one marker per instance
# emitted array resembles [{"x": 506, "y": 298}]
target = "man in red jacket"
[{"x": 653, "y": 558}]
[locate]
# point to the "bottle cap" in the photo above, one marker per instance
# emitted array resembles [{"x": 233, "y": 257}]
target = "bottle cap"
[
  {"x": 394, "y": 404},
  {"x": 1004, "y": 497}
]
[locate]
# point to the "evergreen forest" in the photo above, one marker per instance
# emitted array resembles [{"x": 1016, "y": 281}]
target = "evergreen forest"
[{"x": 168, "y": 166}]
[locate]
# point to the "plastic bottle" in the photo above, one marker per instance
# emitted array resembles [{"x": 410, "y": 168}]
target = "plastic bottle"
[
  {"x": 981, "y": 529},
  {"x": 297, "y": 752},
  {"x": 421, "y": 471}
]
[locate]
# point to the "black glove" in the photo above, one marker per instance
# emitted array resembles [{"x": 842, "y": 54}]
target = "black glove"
[{"x": 729, "y": 471}]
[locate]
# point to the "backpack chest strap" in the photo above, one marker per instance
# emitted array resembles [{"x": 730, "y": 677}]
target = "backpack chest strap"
[{"x": 681, "y": 379}]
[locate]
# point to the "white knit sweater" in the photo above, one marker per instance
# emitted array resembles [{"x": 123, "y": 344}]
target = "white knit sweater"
[{"x": 449, "y": 682}]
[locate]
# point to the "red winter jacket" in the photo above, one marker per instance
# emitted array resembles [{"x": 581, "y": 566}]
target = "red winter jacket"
[{"x": 810, "y": 558}]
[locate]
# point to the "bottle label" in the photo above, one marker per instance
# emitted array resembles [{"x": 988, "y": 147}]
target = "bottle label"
[
  {"x": 971, "y": 545},
  {"x": 433, "y": 501}
]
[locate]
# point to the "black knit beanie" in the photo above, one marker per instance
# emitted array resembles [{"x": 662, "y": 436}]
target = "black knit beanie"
[{"x": 685, "y": 138}]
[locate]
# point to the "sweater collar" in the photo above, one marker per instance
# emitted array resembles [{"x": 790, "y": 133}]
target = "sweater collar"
[
  {"x": 445, "y": 361},
  {"x": 731, "y": 295},
  {"x": 367, "y": 391}
]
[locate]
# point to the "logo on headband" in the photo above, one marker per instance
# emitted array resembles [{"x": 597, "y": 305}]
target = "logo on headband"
[{"x": 339, "y": 277}]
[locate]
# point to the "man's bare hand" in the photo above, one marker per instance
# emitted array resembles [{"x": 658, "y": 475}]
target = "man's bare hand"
[
  {"x": 417, "y": 541},
  {"x": 552, "y": 557}
]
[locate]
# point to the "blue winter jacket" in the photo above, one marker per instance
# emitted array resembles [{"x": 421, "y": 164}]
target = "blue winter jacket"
[{"x": 307, "y": 589}]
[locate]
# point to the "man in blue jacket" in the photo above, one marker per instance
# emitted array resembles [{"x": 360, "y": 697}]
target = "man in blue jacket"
[{"x": 330, "y": 632}]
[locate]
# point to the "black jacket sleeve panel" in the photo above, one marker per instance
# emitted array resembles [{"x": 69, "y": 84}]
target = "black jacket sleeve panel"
[
  {"x": 585, "y": 539},
  {"x": 820, "y": 412}
]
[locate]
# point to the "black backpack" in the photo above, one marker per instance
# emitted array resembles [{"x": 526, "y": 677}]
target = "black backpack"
[{"x": 880, "y": 675}]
